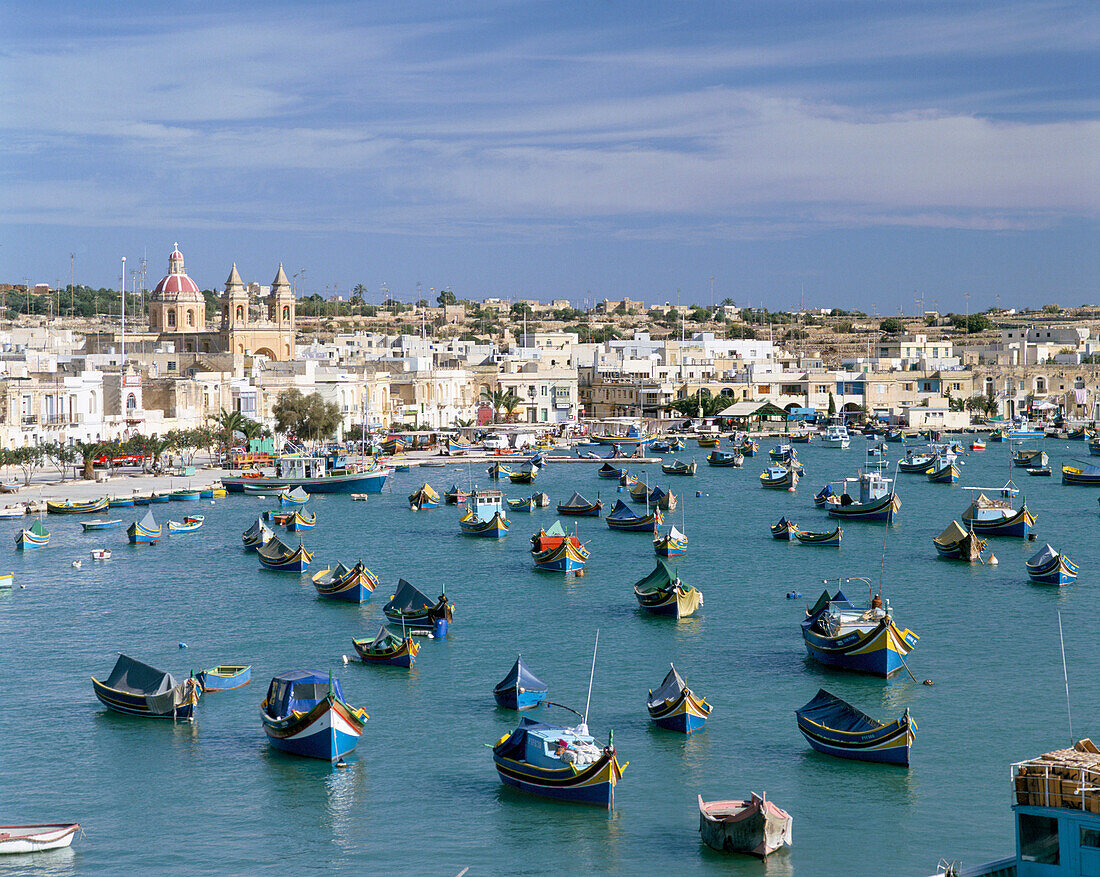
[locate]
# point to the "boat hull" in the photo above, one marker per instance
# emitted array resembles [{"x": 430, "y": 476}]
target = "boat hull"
[
  {"x": 215, "y": 680},
  {"x": 880, "y": 652},
  {"x": 515, "y": 698},
  {"x": 887, "y": 745},
  {"x": 402, "y": 656},
  {"x": 686, "y": 715},
  {"x": 356, "y": 482},
  {"x": 15, "y": 839},
  {"x": 594, "y": 784},
  {"x": 1018, "y": 524},
  {"x": 329, "y": 731},
  {"x": 882, "y": 509},
  {"x": 1060, "y": 571},
  {"x": 131, "y": 704}
]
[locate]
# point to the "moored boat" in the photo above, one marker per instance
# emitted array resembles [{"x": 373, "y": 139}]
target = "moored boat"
[
  {"x": 304, "y": 714},
  {"x": 279, "y": 556},
  {"x": 1027, "y": 457},
  {"x": 836, "y": 436},
  {"x": 708, "y": 441},
  {"x": 353, "y": 584},
  {"x": 225, "y": 677},
  {"x": 678, "y": 467},
  {"x": 520, "y": 689},
  {"x": 1084, "y": 474},
  {"x": 622, "y": 518},
  {"x": 862, "y": 637},
  {"x": 869, "y": 496},
  {"x": 835, "y": 727},
  {"x": 15, "y": 839},
  {"x": 916, "y": 461},
  {"x": 524, "y": 475},
  {"x": 755, "y": 827},
  {"x": 120, "y": 502},
  {"x": 328, "y": 472},
  {"x": 957, "y": 543},
  {"x": 296, "y": 496},
  {"x": 1050, "y": 567},
  {"x": 410, "y": 608},
  {"x": 527, "y": 504},
  {"x": 185, "y": 495},
  {"x": 137, "y": 689},
  {"x": 998, "y": 517},
  {"x": 676, "y": 707},
  {"x": 301, "y": 520},
  {"x": 185, "y": 526},
  {"x": 455, "y": 495},
  {"x": 779, "y": 477},
  {"x": 940, "y": 472},
  {"x": 662, "y": 593},
  {"x": 827, "y": 540},
  {"x": 424, "y": 498},
  {"x": 89, "y": 526},
  {"x": 34, "y": 536},
  {"x": 608, "y": 471},
  {"x": 578, "y": 507},
  {"x": 387, "y": 648},
  {"x": 725, "y": 459},
  {"x": 68, "y": 507},
  {"x": 554, "y": 550},
  {"x": 256, "y": 536},
  {"x": 784, "y": 530},
  {"x": 144, "y": 532},
  {"x": 671, "y": 544}
]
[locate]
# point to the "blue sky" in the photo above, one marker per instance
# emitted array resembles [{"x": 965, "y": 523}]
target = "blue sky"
[{"x": 853, "y": 154}]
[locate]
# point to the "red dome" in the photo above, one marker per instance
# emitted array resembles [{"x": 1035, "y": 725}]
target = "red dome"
[{"x": 175, "y": 284}]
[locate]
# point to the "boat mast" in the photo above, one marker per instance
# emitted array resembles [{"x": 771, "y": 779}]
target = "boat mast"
[
  {"x": 1065, "y": 675},
  {"x": 591, "y": 676}
]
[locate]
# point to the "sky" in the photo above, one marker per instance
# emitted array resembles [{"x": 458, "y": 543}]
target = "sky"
[{"x": 874, "y": 155}]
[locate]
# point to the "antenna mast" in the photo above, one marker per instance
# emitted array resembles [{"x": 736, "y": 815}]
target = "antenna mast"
[{"x": 591, "y": 676}]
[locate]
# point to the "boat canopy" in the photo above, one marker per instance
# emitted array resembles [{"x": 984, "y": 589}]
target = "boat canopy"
[
  {"x": 622, "y": 512},
  {"x": 37, "y": 528},
  {"x": 137, "y": 678},
  {"x": 838, "y": 715},
  {"x": 275, "y": 548},
  {"x": 576, "y": 501},
  {"x": 676, "y": 534},
  {"x": 1046, "y": 554},
  {"x": 298, "y": 493},
  {"x": 385, "y": 639},
  {"x": 953, "y": 533},
  {"x": 149, "y": 522},
  {"x": 299, "y": 690},
  {"x": 660, "y": 579},
  {"x": 556, "y": 530},
  {"x": 670, "y": 689},
  {"x": 521, "y": 677},
  {"x": 408, "y": 599}
]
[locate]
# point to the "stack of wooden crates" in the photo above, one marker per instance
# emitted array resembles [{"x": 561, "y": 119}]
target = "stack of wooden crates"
[{"x": 1064, "y": 778}]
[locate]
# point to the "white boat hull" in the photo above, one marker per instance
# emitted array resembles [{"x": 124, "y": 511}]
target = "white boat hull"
[{"x": 35, "y": 838}]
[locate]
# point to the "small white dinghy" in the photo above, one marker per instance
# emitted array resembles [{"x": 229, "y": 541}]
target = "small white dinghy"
[
  {"x": 35, "y": 838},
  {"x": 101, "y": 554}
]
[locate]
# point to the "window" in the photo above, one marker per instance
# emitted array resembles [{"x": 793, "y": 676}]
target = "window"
[
  {"x": 240, "y": 312},
  {"x": 286, "y": 313},
  {"x": 131, "y": 402},
  {"x": 544, "y": 389},
  {"x": 171, "y": 319},
  {"x": 956, "y": 386},
  {"x": 1090, "y": 837},
  {"x": 1038, "y": 839},
  {"x": 171, "y": 366},
  {"x": 190, "y": 318}
]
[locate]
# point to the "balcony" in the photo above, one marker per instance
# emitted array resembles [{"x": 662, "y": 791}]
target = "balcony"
[{"x": 29, "y": 419}]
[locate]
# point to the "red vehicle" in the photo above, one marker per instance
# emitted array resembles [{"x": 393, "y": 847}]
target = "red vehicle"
[{"x": 127, "y": 460}]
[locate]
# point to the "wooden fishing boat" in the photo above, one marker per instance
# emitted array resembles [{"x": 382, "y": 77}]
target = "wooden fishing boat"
[
  {"x": 755, "y": 827},
  {"x": 1082, "y": 474},
  {"x": 184, "y": 526},
  {"x": 101, "y": 554},
  {"x": 678, "y": 467},
  {"x": 495, "y": 527},
  {"x": 297, "y": 496},
  {"x": 997, "y": 435},
  {"x": 861, "y": 637},
  {"x": 301, "y": 520},
  {"x": 554, "y": 550},
  {"x": 629, "y": 481},
  {"x": 185, "y": 495},
  {"x": 409, "y": 608},
  {"x": 15, "y": 839},
  {"x": 393, "y": 444},
  {"x": 675, "y": 707},
  {"x": 633, "y": 438},
  {"x": 76, "y": 508},
  {"x": 455, "y": 495},
  {"x": 89, "y": 526},
  {"x": 424, "y": 498},
  {"x": 277, "y": 555},
  {"x": 522, "y": 505},
  {"x": 639, "y": 491},
  {"x": 1025, "y": 458},
  {"x": 779, "y": 478},
  {"x": 225, "y": 677},
  {"x": 18, "y": 510},
  {"x": 520, "y": 689},
  {"x": 977, "y": 445},
  {"x": 526, "y": 475},
  {"x": 144, "y": 532},
  {"x": 783, "y": 453},
  {"x": 256, "y": 536},
  {"x": 895, "y": 436},
  {"x": 557, "y": 761},
  {"x": 724, "y": 459},
  {"x": 869, "y": 496},
  {"x": 34, "y": 536},
  {"x": 499, "y": 470},
  {"x": 746, "y": 448},
  {"x": 957, "y": 543},
  {"x": 275, "y": 516},
  {"x": 675, "y": 443},
  {"x": 997, "y": 517},
  {"x": 387, "y": 648},
  {"x": 916, "y": 461},
  {"x": 265, "y": 488},
  {"x": 784, "y": 530},
  {"x": 622, "y": 518},
  {"x": 304, "y": 714},
  {"x": 1040, "y": 471},
  {"x": 1094, "y": 447},
  {"x": 579, "y": 507},
  {"x": 942, "y": 473},
  {"x": 835, "y": 727},
  {"x": 158, "y": 497},
  {"x": 672, "y": 544},
  {"x": 353, "y": 584},
  {"x": 822, "y": 497},
  {"x": 1075, "y": 435},
  {"x": 828, "y": 540},
  {"x": 137, "y": 689},
  {"x": 1050, "y": 567},
  {"x": 802, "y": 438},
  {"x": 660, "y": 446},
  {"x": 662, "y": 593},
  {"x": 120, "y": 502},
  {"x": 608, "y": 471},
  {"x": 9, "y": 487}
]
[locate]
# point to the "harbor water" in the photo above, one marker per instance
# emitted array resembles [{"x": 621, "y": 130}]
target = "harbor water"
[{"x": 421, "y": 796}]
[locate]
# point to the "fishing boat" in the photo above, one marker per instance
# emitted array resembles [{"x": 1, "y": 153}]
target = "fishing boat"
[
  {"x": 675, "y": 707},
  {"x": 660, "y": 446},
  {"x": 13, "y": 511},
  {"x": 424, "y": 498},
  {"x": 277, "y": 555},
  {"x": 997, "y": 435},
  {"x": 16, "y": 839},
  {"x": 1084, "y": 474},
  {"x": 1025, "y": 458},
  {"x": 782, "y": 453},
  {"x": 942, "y": 473},
  {"x": 411, "y": 609},
  {"x": 137, "y": 689},
  {"x": 1075, "y": 435},
  {"x": 662, "y": 593},
  {"x": 894, "y": 436},
  {"x": 870, "y": 496},
  {"x": 89, "y": 526},
  {"x": 628, "y": 480},
  {"x": 1050, "y": 567},
  {"x": 301, "y": 520},
  {"x": 828, "y": 540},
  {"x": 746, "y": 448},
  {"x": 256, "y": 536},
  {"x": 554, "y": 550},
  {"x": 678, "y": 467},
  {"x": 822, "y": 496},
  {"x": 327, "y": 472},
  {"x": 861, "y": 637},
  {"x": 250, "y": 489},
  {"x": 101, "y": 554},
  {"x": 608, "y": 471},
  {"x": 1024, "y": 429},
  {"x": 958, "y": 543},
  {"x": 225, "y": 677},
  {"x": 387, "y": 648},
  {"x": 835, "y": 727},
  {"x": 836, "y": 436},
  {"x": 120, "y": 502},
  {"x": 1040, "y": 471},
  {"x": 524, "y": 475},
  {"x": 159, "y": 497},
  {"x": 998, "y": 517},
  {"x": 34, "y": 536},
  {"x": 662, "y": 499},
  {"x": 1094, "y": 447},
  {"x": 76, "y": 508},
  {"x": 635, "y": 437},
  {"x": 977, "y": 445},
  {"x": 676, "y": 443},
  {"x": 707, "y": 441},
  {"x": 622, "y": 517},
  {"x": 457, "y": 445},
  {"x": 144, "y": 532},
  {"x": 520, "y": 689},
  {"x": 725, "y": 459},
  {"x": 499, "y": 470},
  {"x": 187, "y": 525},
  {"x": 784, "y": 530},
  {"x": 276, "y": 516},
  {"x": 916, "y": 461},
  {"x": 297, "y": 496},
  {"x": 779, "y": 478},
  {"x": 393, "y": 444},
  {"x": 672, "y": 544},
  {"x": 484, "y": 515},
  {"x": 304, "y": 713},
  {"x": 755, "y": 827},
  {"x": 579, "y": 507},
  {"x": 527, "y": 504},
  {"x": 803, "y": 438},
  {"x": 353, "y": 584},
  {"x": 185, "y": 495},
  {"x": 639, "y": 491},
  {"x": 455, "y": 495}
]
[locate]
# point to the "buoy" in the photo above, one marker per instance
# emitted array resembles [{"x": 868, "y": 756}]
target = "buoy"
[
  {"x": 345, "y": 657},
  {"x": 340, "y": 763},
  {"x": 929, "y": 682},
  {"x": 993, "y": 560},
  {"x": 76, "y": 563},
  {"x": 183, "y": 645},
  {"x": 698, "y": 493},
  {"x": 211, "y": 502}
]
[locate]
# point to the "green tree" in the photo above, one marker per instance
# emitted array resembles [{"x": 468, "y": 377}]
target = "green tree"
[
  {"x": 229, "y": 423},
  {"x": 972, "y": 323},
  {"x": 306, "y": 417},
  {"x": 61, "y": 455},
  {"x": 498, "y": 400},
  {"x": 446, "y": 297},
  {"x": 832, "y": 405},
  {"x": 521, "y": 309},
  {"x": 892, "y": 326},
  {"x": 87, "y": 453},
  {"x": 710, "y": 405}
]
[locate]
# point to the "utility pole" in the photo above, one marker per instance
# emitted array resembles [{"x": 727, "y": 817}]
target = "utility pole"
[
  {"x": 123, "y": 321},
  {"x": 72, "y": 284}
]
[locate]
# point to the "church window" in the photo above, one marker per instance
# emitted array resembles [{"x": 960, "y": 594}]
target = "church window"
[
  {"x": 286, "y": 312},
  {"x": 171, "y": 319},
  {"x": 190, "y": 318},
  {"x": 131, "y": 402},
  {"x": 240, "y": 312},
  {"x": 225, "y": 313}
]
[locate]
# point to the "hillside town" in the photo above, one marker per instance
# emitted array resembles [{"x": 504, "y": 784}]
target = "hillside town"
[{"x": 182, "y": 358}]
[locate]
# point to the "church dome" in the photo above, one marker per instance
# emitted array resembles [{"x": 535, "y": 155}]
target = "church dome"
[{"x": 176, "y": 284}]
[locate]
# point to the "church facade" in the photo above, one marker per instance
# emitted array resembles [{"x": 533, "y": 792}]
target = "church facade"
[{"x": 249, "y": 326}]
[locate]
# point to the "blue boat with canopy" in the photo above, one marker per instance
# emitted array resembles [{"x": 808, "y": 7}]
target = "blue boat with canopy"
[
  {"x": 304, "y": 713},
  {"x": 856, "y": 636},
  {"x": 835, "y": 727},
  {"x": 520, "y": 689}
]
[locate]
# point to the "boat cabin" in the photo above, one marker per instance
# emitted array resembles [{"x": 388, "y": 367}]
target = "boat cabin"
[
  {"x": 553, "y": 746},
  {"x": 868, "y": 486},
  {"x": 295, "y": 467},
  {"x": 984, "y": 509},
  {"x": 843, "y": 616},
  {"x": 299, "y": 690},
  {"x": 486, "y": 503}
]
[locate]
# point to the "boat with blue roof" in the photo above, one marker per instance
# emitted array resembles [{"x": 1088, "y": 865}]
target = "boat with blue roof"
[
  {"x": 305, "y": 714},
  {"x": 325, "y": 472}
]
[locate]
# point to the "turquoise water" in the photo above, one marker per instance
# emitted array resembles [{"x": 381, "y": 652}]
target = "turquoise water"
[{"x": 422, "y": 797}]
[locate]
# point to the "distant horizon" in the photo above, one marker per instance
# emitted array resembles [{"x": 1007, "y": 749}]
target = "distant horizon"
[{"x": 847, "y": 154}]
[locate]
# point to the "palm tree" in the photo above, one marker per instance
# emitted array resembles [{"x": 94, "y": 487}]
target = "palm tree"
[
  {"x": 88, "y": 451},
  {"x": 495, "y": 399},
  {"x": 229, "y": 424},
  {"x": 511, "y": 402}
]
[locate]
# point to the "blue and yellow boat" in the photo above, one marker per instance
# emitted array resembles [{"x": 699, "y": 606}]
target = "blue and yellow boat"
[
  {"x": 861, "y": 637},
  {"x": 662, "y": 593},
  {"x": 424, "y": 497},
  {"x": 554, "y": 550},
  {"x": 941, "y": 472},
  {"x": 301, "y": 520},
  {"x": 484, "y": 515},
  {"x": 671, "y": 544},
  {"x": 387, "y": 648},
  {"x": 256, "y": 536},
  {"x": 136, "y": 689},
  {"x": 76, "y": 508},
  {"x": 1051, "y": 567},
  {"x": 225, "y": 677},
  {"x": 779, "y": 477},
  {"x": 997, "y": 517},
  {"x": 676, "y": 707},
  {"x": 622, "y": 518},
  {"x": 579, "y": 507},
  {"x": 835, "y": 727},
  {"x": 411, "y": 608},
  {"x": 297, "y": 496},
  {"x": 144, "y": 532},
  {"x": 1082, "y": 474},
  {"x": 277, "y": 555},
  {"x": 34, "y": 536},
  {"x": 353, "y": 584},
  {"x": 304, "y": 713},
  {"x": 723, "y": 459}
]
